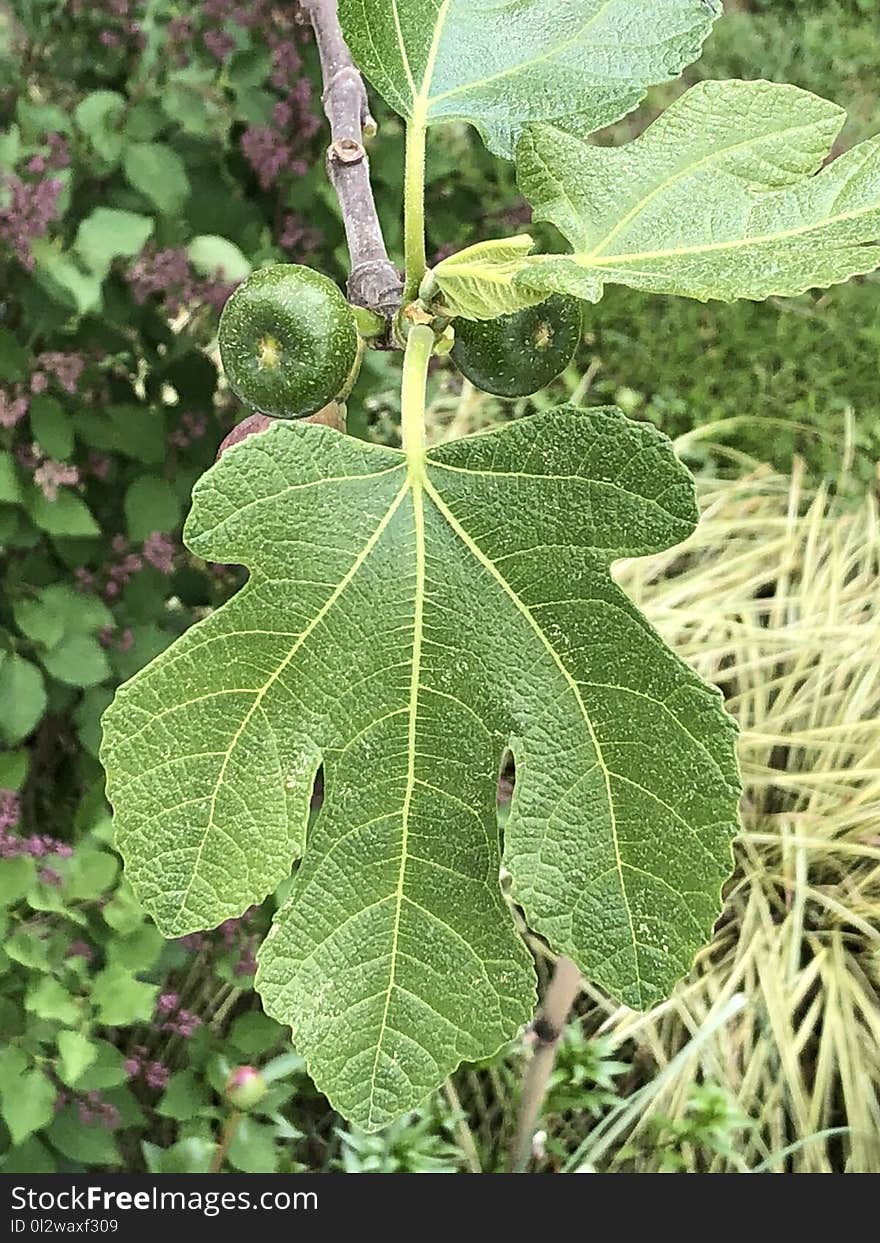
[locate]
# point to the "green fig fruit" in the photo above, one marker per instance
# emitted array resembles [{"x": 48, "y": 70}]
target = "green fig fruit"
[
  {"x": 288, "y": 341},
  {"x": 516, "y": 355}
]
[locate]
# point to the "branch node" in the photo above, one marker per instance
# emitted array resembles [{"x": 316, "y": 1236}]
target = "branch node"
[
  {"x": 346, "y": 151},
  {"x": 544, "y": 1034}
]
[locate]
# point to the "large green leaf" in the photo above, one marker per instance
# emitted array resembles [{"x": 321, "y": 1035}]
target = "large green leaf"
[
  {"x": 579, "y": 64},
  {"x": 717, "y": 199},
  {"x": 404, "y": 626}
]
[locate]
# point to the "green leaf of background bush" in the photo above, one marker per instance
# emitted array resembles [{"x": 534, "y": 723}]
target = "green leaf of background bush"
[{"x": 158, "y": 172}]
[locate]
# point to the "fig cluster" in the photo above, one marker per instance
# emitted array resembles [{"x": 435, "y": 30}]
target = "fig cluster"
[{"x": 290, "y": 345}]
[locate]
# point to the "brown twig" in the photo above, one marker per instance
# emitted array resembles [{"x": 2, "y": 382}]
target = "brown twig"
[
  {"x": 546, "y": 1033},
  {"x": 374, "y": 281},
  {"x": 227, "y": 1135}
]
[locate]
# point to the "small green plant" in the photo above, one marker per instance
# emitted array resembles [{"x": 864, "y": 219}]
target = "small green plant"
[
  {"x": 411, "y": 1145},
  {"x": 708, "y": 1128},
  {"x": 584, "y": 1076},
  {"x": 412, "y": 614}
]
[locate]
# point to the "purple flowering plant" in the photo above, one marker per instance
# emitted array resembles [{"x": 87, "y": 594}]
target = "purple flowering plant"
[{"x": 150, "y": 156}]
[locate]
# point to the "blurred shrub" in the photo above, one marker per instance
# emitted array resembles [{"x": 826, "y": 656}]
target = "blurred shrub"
[{"x": 150, "y": 155}]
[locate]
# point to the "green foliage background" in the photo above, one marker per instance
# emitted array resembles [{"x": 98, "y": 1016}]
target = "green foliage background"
[{"x": 125, "y": 1041}]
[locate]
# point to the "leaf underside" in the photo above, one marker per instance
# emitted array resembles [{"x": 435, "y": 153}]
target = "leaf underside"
[
  {"x": 576, "y": 64},
  {"x": 404, "y": 632},
  {"x": 717, "y": 199},
  {"x": 477, "y": 283}
]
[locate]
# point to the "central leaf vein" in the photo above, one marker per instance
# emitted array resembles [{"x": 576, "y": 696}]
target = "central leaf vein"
[{"x": 399, "y": 894}]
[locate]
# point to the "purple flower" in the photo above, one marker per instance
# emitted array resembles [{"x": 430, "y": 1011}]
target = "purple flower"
[
  {"x": 131, "y": 1066},
  {"x": 59, "y": 152},
  {"x": 26, "y": 211},
  {"x": 168, "y": 273},
  {"x": 185, "y": 1024},
  {"x": 266, "y": 151},
  {"x": 50, "y": 476},
  {"x": 9, "y": 809},
  {"x": 247, "y": 17},
  {"x": 167, "y": 1003},
  {"x": 156, "y": 1075},
  {"x": 110, "y": 1116},
  {"x": 48, "y": 876},
  {"x": 180, "y": 30},
  {"x": 159, "y": 551},
  {"x": 193, "y": 428},
  {"x": 219, "y": 44},
  {"x": 216, "y": 10},
  {"x": 123, "y": 640},
  {"x": 296, "y": 237},
  {"x": 13, "y": 847},
  {"x": 159, "y": 272},
  {"x": 282, "y": 113},
  {"x": 286, "y": 63},
  {"x": 13, "y": 408},
  {"x": 79, "y": 949},
  {"x": 66, "y": 367}
]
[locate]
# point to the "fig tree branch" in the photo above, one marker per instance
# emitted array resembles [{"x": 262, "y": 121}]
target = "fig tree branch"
[
  {"x": 547, "y": 1031},
  {"x": 374, "y": 281}
]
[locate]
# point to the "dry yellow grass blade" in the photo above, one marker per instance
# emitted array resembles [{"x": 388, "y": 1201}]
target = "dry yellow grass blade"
[{"x": 776, "y": 600}]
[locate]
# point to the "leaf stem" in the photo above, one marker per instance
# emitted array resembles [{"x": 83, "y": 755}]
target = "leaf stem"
[
  {"x": 221, "y": 1151},
  {"x": 414, "y": 208},
  {"x": 419, "y": 345}
]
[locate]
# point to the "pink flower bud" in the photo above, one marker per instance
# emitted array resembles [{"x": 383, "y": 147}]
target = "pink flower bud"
[{"x": 245, "y": 1087}]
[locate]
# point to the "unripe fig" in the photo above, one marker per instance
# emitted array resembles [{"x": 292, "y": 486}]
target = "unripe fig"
[
  {"x": 516, "y": 355},
  {"x": 288, "y": 341}
]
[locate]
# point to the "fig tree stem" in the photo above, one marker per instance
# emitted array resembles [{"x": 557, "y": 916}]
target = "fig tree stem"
[
  {"x": 561, "y": 993},
  {"x": 414, "y": 208},
  {"x": 374, "y": 281},
  {"x": 419, "y": 345}
]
